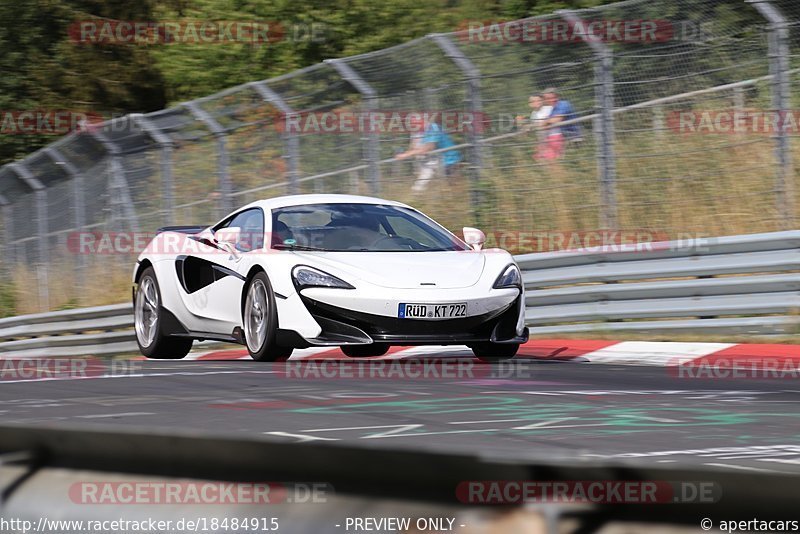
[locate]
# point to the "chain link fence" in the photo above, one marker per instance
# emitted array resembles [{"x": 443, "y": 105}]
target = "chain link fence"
[{"x": 649, "y": 83}]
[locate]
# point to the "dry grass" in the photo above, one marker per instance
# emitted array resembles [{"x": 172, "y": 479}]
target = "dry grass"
[{"x": 105, "y": 280}]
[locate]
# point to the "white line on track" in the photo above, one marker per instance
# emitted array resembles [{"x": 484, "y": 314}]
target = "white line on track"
[
  {"x": 742, "y": 467},
  {"x": 139, "y": 375},
  {"x": 109, "y": 415},
  {"x": 303, "y": 438},
  {"x": 484, "y": 422}
]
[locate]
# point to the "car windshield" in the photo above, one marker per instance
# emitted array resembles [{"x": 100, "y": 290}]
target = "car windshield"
[{"x": 358, "y": 228}]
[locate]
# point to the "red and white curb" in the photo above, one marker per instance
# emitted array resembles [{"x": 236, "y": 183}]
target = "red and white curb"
[{"x": 660, "y": 354}]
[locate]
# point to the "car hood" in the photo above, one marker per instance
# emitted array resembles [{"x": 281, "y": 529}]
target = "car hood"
[{"x": 411, "y": 270}]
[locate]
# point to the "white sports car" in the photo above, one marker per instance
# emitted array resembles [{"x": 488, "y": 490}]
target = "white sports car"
[{"x": 326, "y": 270}]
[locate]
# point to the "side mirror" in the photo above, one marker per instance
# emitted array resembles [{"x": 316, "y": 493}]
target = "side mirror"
[
  {"x": 474, "y": 237},
  {"x": 229, "y": 238}
]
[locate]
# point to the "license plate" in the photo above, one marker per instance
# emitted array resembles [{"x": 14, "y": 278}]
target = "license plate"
[{"x": 432, "y": 311}]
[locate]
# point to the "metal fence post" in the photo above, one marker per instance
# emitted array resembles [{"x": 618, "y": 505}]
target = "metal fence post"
[
  {"x": 474, "y": 137},
  {"x": 658, "y": 121},
  {"x": 8, "y": 235},
  {"x": 604, "y": 126},
  {"x": 78, "y": 186},
  {"x": 372, "y": 151},
  {"x": 118, "y": 185},
  {"x": 290, "y": 139},
  {"x": 40, "y": 217},
  {"x": 738, "y": 99},
  {"x": 781, "y": 95},
  {"x": 78, "y": 203},
  {"x": 166, "y": 147},
  {"x": 220, "y": 134}
]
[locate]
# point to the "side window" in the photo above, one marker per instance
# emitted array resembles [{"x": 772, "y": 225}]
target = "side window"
[{"x": 251, "y": 223}]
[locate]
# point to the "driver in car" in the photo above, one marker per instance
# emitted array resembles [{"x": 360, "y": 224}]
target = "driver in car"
[
  {"x": 352, "y": 231},
  {"x": 251, "y": 236}
]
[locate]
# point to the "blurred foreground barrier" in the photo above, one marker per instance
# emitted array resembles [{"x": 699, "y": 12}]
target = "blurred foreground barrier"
[
  {"x": 46, "y": 469},
  {"x": 748, "y": 284}
]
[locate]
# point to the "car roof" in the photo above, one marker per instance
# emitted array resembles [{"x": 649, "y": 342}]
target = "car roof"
[{"x": 300, "y": 200}]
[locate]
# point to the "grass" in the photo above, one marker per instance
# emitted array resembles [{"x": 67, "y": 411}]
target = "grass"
[
  {"x": 8, "y": 301},
  {"x": 105, "y": 280}
]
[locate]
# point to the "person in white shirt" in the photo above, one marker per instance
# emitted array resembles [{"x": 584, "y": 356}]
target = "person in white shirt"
[
  {"x": 538, "y": 119},
  {"x": 541, "y": 112}
]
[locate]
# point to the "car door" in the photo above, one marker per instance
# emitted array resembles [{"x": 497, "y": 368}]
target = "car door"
[{"x": 213, "y": 281}]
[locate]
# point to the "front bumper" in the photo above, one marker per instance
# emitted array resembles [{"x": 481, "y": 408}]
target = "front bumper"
[{"x": 341, "y": 326}]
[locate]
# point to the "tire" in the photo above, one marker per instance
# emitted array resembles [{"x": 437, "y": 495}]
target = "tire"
[
  {"x": 260, "y": 321},
  {"x": 365, "y": 351},
  {"x": 494, "y": 352},
  {"x": 147, "y": 315}
]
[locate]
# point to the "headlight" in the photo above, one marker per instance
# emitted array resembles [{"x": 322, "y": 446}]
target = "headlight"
[
  {"x": 309, "y": 277},
  {"x": 509, "y": 278}
]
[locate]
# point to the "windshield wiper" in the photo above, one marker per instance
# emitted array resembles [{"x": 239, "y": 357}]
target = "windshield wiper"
[{"x": 282, "y": 246}]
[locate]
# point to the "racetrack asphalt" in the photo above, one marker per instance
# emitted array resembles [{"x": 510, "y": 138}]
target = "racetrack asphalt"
[{"x": 523, "y": 410}]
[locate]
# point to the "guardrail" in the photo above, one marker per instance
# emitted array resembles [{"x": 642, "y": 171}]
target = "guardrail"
[
  {"x": 101, "y": 330},
  {"x": 748, "y": 284}
]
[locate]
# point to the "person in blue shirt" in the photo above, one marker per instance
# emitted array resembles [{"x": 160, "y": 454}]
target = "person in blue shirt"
[
  {"x": 427, "y": 138},
  {"x": 562, "y": 111}
]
